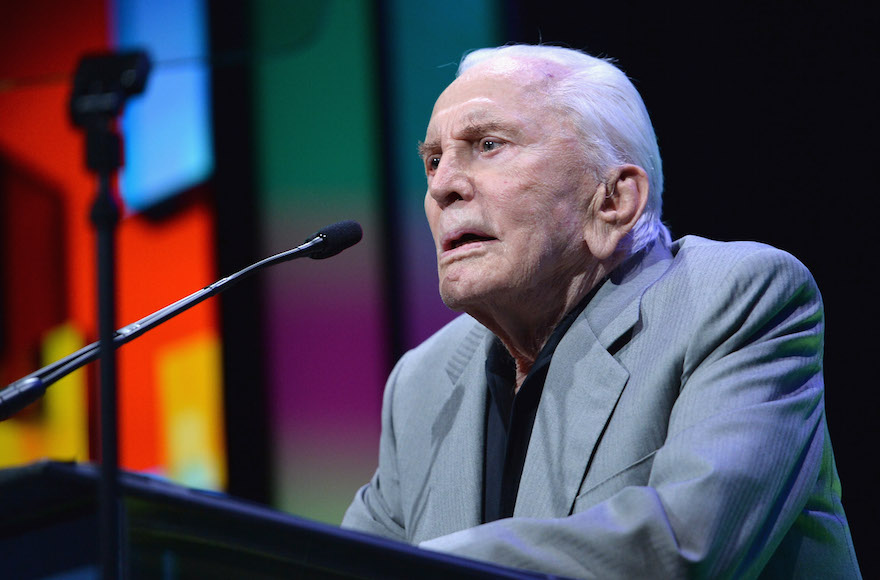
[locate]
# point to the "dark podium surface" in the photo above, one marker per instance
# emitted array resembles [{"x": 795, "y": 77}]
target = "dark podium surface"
[{"x": 48, "y": 529}]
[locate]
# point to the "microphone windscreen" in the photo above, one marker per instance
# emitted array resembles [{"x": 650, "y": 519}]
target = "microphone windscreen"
[{"x": 337, "y": 237}]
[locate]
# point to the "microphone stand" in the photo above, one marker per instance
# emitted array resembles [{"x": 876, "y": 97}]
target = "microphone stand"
[
  {"x": 101, "y": 85},
  {"x": 105, "y": 217}
]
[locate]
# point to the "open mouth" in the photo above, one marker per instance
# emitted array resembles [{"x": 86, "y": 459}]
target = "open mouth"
[{"x": 465, "y": 239}]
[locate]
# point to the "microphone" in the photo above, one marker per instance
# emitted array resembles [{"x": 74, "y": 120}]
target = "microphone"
[
  {"x": 335, "y": 238},
  {"x": 324, "y": 243}
]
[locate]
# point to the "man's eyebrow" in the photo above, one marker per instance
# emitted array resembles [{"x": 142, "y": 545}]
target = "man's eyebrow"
[
  {"x": 426, "y": 148},
  {"x": 475, "y": 128}
]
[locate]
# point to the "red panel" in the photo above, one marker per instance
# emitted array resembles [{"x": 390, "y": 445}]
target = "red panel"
[{"x": 34, "y": 296}]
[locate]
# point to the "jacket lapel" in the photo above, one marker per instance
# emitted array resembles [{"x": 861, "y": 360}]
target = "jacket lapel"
[{"x": 583, "y": 385}]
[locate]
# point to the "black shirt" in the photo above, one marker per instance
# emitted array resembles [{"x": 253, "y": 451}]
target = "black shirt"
[{"x": 509, "y": 418}]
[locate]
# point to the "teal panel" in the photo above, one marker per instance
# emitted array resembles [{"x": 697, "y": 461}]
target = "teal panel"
[
  {"x": 315, "y": 109},
  {"x": 427, "y": 40}
]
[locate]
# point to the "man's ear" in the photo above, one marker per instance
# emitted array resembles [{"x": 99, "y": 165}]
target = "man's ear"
[{"x": 616, "y": 207}]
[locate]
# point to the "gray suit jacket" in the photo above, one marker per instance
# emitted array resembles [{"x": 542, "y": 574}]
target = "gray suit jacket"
[{"x": 681, "y": 432}]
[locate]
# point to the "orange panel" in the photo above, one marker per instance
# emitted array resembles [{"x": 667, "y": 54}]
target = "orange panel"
[{"x": 158, "y": 264}]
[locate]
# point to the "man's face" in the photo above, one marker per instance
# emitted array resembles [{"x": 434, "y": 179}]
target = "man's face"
[{"x": 509, "y": 189}]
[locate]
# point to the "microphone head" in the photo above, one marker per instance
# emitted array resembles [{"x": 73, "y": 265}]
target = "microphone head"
[{"x": 336, "y": 237}]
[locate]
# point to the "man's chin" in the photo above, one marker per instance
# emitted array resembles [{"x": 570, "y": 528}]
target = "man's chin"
[
  {"x": 453, "y": 297},
  {"x": 453, "y": 302},
  {"x": 464, "y": 297}
]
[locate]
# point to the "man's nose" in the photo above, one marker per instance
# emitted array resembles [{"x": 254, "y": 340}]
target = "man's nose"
[{"x": 450, "y": 182}]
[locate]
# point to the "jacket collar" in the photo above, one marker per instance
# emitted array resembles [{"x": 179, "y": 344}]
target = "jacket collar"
[{"x": 582, "y": 388}]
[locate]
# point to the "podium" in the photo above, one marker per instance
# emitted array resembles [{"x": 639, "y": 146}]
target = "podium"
[{"x": 49, "y": 530}]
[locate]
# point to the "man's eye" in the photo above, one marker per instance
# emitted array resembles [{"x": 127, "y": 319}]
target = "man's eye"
[
  {"x": 434, "y": 162},
  {"x": 487, "y": 145}
]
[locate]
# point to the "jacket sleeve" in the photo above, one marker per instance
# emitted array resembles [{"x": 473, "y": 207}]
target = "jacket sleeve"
[
  {"x": 745, "y": 443},
  {"x": 376, "y": 508}
]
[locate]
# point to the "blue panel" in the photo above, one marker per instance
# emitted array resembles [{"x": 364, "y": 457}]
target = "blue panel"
[{"x": 167, "y": 130}]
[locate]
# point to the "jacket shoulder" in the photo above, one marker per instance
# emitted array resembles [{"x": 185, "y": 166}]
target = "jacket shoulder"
[
  {"x": 722, "y": 259},
  {"x": 447, "y": 350}
]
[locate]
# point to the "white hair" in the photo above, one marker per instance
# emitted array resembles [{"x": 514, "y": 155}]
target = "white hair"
[{"x": 609, "y": 112}]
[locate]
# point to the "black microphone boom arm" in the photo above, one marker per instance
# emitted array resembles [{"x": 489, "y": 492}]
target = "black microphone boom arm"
[{"x": 325, "y": 243}]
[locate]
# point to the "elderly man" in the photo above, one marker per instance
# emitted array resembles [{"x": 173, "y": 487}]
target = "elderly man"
[{"x": 612, "y": 404}]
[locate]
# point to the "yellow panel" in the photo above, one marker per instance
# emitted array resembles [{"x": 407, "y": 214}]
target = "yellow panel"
[
  {"x": 191, "y": 403},
  {"x": 66, "y": 402},
  {"x": 18, "y": 439},
  {"x": 57, "y": 426}
]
